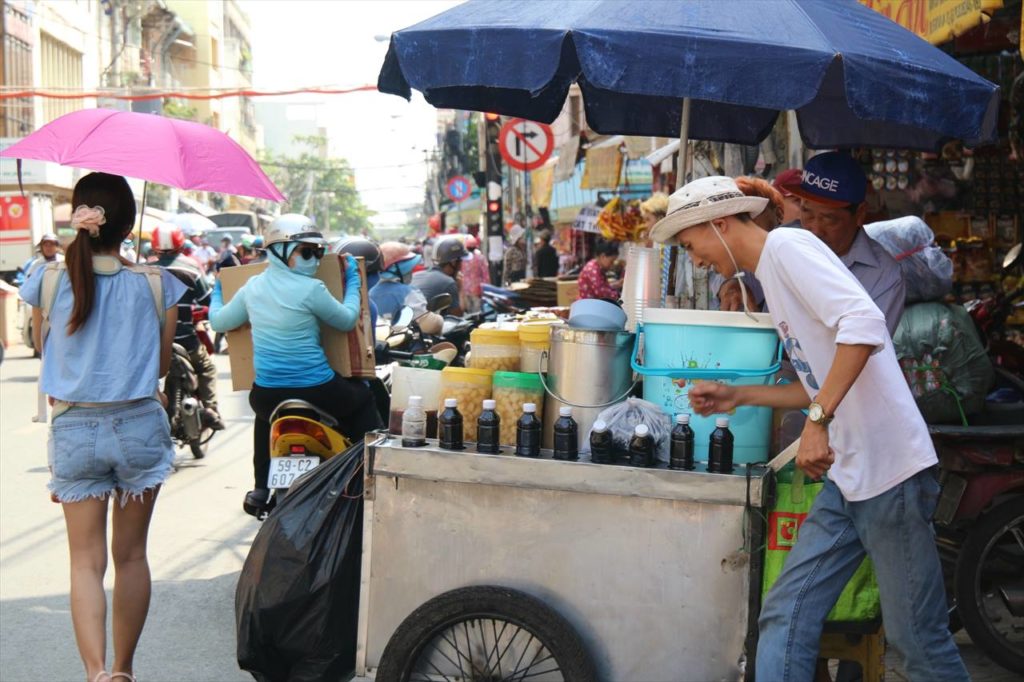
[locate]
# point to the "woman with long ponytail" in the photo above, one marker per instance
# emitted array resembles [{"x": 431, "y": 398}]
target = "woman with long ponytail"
[{"x": 111, "y": 326}]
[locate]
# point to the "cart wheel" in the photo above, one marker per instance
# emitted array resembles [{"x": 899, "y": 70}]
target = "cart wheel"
[{"x": 485, "y": 634}]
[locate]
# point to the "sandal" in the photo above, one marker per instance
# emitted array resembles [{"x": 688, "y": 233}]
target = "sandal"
[
  {"x": 127, "y": 676},
  {"x": 100, "y": 675}
]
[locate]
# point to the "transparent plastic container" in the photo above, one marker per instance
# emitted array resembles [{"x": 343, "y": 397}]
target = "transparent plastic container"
[
  {"x": 495, "y": 349},
  {"x": 511, "y": 391},
  {"x": 534, "y": 341},
  {"x": 470, "y": 387}
]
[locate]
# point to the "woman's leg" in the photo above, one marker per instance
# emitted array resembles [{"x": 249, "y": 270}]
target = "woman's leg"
[
  {"x": 131, "y": 575},
  {"x": 263, "y": 401},
  {"x": 87, "y": 541}
]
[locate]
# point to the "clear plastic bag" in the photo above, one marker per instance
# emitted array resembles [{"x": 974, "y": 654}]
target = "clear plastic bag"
[
  {"x": 622, "y": 418},
  {"x": 927, "y": 271}
]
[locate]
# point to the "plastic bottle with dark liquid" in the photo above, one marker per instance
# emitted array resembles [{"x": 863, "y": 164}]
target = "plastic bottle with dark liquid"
[
  {"x": 488, "y": 429},
  {"x": 681, "y": 446},
  {"x": 528, "y": 432},
  {"x": 720, "y": 450},
  {"x": 414, "y": 424},
  {"x": 449, "y": 426},
  {"x": 600, "y": 443},
  {"x": 566, "y": 445},
  {"x": 641, "y": 447}
]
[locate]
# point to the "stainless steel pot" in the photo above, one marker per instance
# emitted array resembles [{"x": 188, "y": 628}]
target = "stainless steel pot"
[{"x": 587, "y": 370}]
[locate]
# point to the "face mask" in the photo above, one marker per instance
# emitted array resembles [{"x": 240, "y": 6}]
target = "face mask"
[
  {"x": 737, "y": 274},
  {"x": 306, "y": 267}
]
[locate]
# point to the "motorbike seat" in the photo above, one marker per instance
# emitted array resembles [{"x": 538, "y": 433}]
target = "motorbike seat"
[{"x": 302, "y": 408}]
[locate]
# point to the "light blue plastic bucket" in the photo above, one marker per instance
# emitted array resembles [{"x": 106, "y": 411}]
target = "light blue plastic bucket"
[{"x": 683, "y": 346}]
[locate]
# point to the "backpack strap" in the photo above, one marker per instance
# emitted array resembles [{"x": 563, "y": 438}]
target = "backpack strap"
[
  {"x": 48, "y": 294},
  {"x": 156, "y": 288}
]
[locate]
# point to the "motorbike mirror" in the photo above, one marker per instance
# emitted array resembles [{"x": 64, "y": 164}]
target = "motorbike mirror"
[
  {"x": 1012, "y": 258},
  {"x": 439, "y": 303},
  {"x": 402, "y": 320}
]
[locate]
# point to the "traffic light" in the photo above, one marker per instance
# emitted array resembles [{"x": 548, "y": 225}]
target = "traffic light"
[{"x": 492, "y": 174}]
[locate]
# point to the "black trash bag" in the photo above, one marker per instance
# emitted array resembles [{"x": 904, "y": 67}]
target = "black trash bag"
[{"x": 297, "y": 601}]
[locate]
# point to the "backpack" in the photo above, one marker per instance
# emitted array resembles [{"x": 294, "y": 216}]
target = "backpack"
[{"x": 51, "y": 285}]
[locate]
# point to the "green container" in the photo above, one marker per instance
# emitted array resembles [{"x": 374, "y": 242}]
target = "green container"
[{"x": 523, "y": 381}]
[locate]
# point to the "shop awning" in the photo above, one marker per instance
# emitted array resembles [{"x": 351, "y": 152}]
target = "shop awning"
[{"x": 197, "y": 206}]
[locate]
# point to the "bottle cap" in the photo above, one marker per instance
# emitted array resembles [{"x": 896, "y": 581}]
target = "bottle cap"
[
  {"x": 565, "y": 411},
  {"x": 722, "y": 422},
  {"x": 490, "y": 404},
  {"x": 415, "y": 401},
  {"x": 641, "y": 430},
  {"x": 529, "y": 408},
  {"x": 682, "y": 418},
  {"x": 451, "y": 402},
  {"x": 599, "y": 426}
]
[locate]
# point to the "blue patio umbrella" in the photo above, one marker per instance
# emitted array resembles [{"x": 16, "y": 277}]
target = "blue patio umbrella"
[{"x": 853, "y": 77}]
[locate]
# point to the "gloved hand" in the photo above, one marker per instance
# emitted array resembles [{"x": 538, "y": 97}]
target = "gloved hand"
[
  {"x": 352, "y": 279},
  {"x": 217, "y": 296}
]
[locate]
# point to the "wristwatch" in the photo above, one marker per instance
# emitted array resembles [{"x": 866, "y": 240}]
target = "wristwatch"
[{"x": 816, "y": 413}]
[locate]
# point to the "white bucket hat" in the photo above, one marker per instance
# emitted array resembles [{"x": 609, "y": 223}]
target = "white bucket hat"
[{"x": 701, "y": 201}]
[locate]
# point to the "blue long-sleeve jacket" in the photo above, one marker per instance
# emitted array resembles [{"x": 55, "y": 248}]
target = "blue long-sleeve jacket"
[{"x": 285, "y": 310}]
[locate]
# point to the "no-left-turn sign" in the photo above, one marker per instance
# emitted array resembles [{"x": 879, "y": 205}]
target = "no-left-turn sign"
[{"x": 525, "y": 145}]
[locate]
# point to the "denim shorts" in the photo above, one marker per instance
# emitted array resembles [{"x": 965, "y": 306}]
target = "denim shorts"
[{"x": 96, "y": 451}]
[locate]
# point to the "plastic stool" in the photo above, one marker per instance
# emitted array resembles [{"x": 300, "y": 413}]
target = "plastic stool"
[{"x": 854, "y": 644}]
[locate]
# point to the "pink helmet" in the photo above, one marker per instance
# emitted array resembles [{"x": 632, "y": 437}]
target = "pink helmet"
[
  {"x": 472, "y": 242},
  {"x": 167, "y": 237},
  {"x": 394, "y": 252}
]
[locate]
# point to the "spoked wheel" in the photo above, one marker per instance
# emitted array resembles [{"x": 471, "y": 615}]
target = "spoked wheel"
[
  {"x": 990, "y": 584},
  {"x": 485, "y": 634}
]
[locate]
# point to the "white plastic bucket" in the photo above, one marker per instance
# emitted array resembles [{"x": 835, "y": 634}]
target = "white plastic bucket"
[{"x": 683, "y": 346}]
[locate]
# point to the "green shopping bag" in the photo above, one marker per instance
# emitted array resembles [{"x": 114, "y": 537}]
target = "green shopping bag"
[{"x": 859, "y": 600}]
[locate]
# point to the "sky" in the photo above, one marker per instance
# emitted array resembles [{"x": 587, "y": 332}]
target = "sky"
[{"x": 334, "y": 42}]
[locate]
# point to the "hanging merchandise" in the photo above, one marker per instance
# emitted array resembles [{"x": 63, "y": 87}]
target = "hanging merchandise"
[{"x": 620, "y": 221}]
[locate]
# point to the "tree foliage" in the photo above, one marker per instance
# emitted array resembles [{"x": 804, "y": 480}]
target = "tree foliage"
[{"x": 319, "y": 186}]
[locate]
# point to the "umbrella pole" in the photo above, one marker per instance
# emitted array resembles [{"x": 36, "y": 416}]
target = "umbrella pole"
[
  {"x": 683, "y": 167},
  {"x": 142, "y": 219}
]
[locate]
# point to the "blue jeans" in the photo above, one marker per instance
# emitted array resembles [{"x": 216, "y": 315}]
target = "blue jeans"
[{"x": 895, "y": 530}]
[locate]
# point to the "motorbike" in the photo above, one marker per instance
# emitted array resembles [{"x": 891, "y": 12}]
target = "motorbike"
[
  {"x": 185, "y": 409},
  {"x": 301, "y": 437},
  {"x": 980, "y": 513}
]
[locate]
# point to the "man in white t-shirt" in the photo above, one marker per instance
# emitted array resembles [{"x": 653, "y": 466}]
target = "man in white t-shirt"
[{"x": 863, "y": 430}]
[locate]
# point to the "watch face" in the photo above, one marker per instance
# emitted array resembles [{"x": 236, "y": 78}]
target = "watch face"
[{"x": 815, "y": 413}]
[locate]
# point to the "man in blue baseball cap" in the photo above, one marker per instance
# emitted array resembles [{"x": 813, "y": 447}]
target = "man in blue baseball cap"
[{"x": 832, "y": 189}]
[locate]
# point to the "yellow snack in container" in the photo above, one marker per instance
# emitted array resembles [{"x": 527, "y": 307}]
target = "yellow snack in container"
[
  {"x": 511, "y": 390},
  {"x": 471, "y": 387}
]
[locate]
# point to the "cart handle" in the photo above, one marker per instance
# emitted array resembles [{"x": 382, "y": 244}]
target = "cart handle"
[
  {"x": 696, "y": 373},
  {"x": 550, "y": 392}
]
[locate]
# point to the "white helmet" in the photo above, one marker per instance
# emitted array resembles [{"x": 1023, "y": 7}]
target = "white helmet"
[{"x": 292, "y": 227}]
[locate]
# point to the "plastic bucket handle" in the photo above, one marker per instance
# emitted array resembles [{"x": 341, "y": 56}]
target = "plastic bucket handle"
[
  {"x": 547, "y": 389},
  {"x": 696, "y": 373}
]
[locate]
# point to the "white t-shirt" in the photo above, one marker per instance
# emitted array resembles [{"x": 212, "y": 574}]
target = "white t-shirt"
[{"x": 878, "y": 434}]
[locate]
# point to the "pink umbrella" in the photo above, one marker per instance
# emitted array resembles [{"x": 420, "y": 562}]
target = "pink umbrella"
[{"x": 169, "y": 151}]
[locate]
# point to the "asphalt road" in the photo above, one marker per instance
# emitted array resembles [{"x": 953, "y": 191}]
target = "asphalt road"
[{"x": 198, "y": 541}]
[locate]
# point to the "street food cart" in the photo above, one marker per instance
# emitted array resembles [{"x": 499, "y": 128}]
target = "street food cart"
[{"x": 574, "y": 570}]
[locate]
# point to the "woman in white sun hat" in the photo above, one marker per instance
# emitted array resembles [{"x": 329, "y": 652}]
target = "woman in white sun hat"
[{"x": 864, "y": 435}]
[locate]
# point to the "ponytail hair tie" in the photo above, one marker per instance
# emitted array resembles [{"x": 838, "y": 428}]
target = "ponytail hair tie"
[{"x": 89, "y": 219}]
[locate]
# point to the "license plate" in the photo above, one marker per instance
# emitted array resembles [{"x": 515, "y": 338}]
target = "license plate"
[{"x": 284, "y": 470}]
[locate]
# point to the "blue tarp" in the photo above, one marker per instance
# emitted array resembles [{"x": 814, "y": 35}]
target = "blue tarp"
[{"x": 854, "y": 77}]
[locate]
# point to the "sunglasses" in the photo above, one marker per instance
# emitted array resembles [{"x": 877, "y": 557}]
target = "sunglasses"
[{"x": 308, "y": 252}]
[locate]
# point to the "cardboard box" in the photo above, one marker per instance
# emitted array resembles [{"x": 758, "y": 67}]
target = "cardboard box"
[
  {"x": 568, "y": 292},
  {"x": 350, "y": 354}
]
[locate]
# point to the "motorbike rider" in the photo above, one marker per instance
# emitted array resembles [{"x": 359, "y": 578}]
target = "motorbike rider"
[
  {"x": 441, "y": 278},
  {"x": 393, "y": 291},
  {"x": 168, "y": 243},
  {"x": 285, "y": 305},
  {"x": 361, "y": 247}
]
